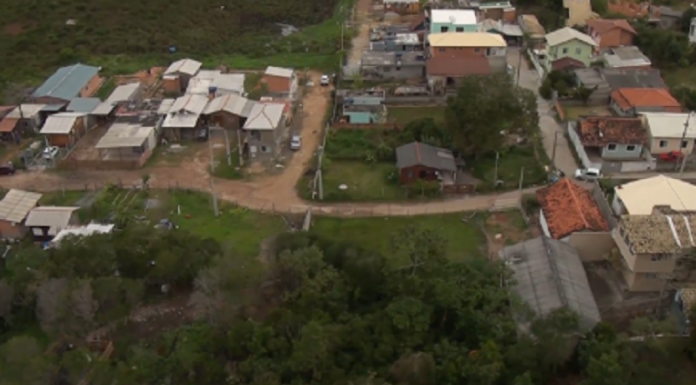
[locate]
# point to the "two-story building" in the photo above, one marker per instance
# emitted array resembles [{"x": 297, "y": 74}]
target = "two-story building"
[
  {"x": 666, "y": 131},
  {"x": 634, "y": 101},
  {"x": 264, "y": 129},
  {"x": 613, "y": 138},
  {"x": 641, "y": 196},
  {"x": 453, "y": 20},
  {"x": 652, "y": 248},
  {"x": 567, "y": 48},
  {"x": 611, "y": 33}
]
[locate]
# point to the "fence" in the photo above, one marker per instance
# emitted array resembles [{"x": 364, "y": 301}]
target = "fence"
[
  {"x": 421, "y": 101},
  {"x": 535, "y": 62},
  {"x": 383, "y": 126}
]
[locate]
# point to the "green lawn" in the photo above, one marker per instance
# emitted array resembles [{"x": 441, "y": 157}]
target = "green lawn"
[
  {"x": 404, "y": 115},
  {"x": 106, "y": 89},
  {"x": 574, "y": 112},
  {"x": 680, "y": 77},
  {"x": 464, "y": 240},
  {"x": 364, "y": 181},
  {"x": 510, "y": 166}
]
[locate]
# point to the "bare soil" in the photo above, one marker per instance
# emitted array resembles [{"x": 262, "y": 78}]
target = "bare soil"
[
  {"x": 13, "y": 29},
  {"x": 507, "y": 228}
]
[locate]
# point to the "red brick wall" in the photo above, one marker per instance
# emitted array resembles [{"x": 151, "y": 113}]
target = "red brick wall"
[{"x": 411, "y": 174}]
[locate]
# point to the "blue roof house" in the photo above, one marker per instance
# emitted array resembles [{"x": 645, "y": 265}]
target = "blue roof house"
[{"x": 77, "y": 80}]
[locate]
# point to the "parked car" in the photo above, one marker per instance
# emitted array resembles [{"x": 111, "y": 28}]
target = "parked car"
[
  {"x": 296, "y": 142},
  {"x": 672, "y": 156},
  {"x": 7, "y": 169},
  {"x": 325, "y": 80},
  {"x": 588, "y": 173},
  {"x": 49, "y": 153}
]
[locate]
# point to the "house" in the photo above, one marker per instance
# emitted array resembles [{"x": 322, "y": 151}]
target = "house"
[
  {"x": 45, "y": 222},
  {"x": 364, "y": 114},
  {"x": 420, "y": 161},
  {"x": 633, "y": 101},
  {"x": 532, "y": 28},
  {"x": 21, "y": 121},
  {"x": 653, "y": 249},
  {"x": 498, "y": 10},
  {"x": 567, "y": 208},
  {"x": 640, "y": 197},
  {"x": 444, "y": 72},
  {"x": 547, "y": 275},
  {"x": 453, "y": 20},
  {"x": 613, "y": 137},
  {"x": 604, "y": 80},
  {"x": 264, "y": 129},
  {"x": 123, "y": 93},
  {"x": 399, "y": 42},
  {"x": 176, "y": 77},
  {"x": 215, "y": 83},
  {"x": 129, "y": 143},
  {"x": 77, "y": 80},
  {"x": 510, "y": 32},
  {"x": 463, "y": 45},
  {"x": 14, "y": 208},
  {"x": 626, "y": 57},
  {"x": 666, "y": 131},
  {"x": 568, "y": 48},
  {"x": 402, "y": 7},
  {"x": 280, "y": 81},
  {"x": 84, "y": 105},
  {"x": 79, "y": 232},
  {"x": 634, "y": 10},
  {"x": 64, "y": 129},
  {"x": 669, "y": 17},
  {"x": 392, "y": 65},
  {"x": 578, "y": 12},
  {"x": 184, "y": 117},
  {"x": 611, "y": 33},
  {"x": 228, "y": 111}
]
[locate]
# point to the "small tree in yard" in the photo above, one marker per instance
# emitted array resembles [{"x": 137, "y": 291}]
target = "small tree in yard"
[{"x": 583, "y": 93}]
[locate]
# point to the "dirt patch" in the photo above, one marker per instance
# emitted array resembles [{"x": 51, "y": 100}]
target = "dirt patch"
[
  {"x": 13, "y": 29},
  {"x": 507, "y": 228},
  {"x": 148, "y": 77}
]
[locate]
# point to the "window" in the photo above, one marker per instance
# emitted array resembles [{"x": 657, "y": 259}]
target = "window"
[
  {"x": 264, "y": 149},
  {"x": 255, "y": 135},
  {"x": 441, "y": 50},
  {"x": 630, "y": 147},
  {"x": 611, "y": 147},
  {"x": 477, "y": 50},
  {"x": 658, "y": 257},
  {"x": 444, "y": 29},
  {"x": 565, "y": 50},
  {"x": 684, "y": 143},
  {"x": 578, "y": 51},
  {"x": 663, "y": 143},
  {"x": 650, "y": 275},
  {"x": 460, "y": 29}
]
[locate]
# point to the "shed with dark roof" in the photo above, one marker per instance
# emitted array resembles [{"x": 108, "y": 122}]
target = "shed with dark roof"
[{"x": 423, "y": 161}]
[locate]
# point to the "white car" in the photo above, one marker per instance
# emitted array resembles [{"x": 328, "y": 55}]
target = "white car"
[
  {"x": 588, "y": 173},
  {"x": 49, "y": 153},
  {"x": 296, "y": 142},
  {"x": 325, "y": 80}
]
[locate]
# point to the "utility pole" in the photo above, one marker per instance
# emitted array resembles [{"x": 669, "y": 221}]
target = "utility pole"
[
  {"x": 227, "y": 147},
  {"x": 212, "y": 178},
  {"x": 521, "y": 177},
  {"x": 682, "y": 146},
  {"x": 495, "y": 178},
  {"x": 553, "y": 152}
]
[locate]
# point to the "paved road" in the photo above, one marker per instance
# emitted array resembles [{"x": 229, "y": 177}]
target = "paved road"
[{"x": 548, "y": 125}]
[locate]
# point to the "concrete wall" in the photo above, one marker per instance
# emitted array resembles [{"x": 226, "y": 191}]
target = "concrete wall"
[
  {"x": 592, "y": 246},
  {"x": 622, "y": 151},
  {"x": 579, "y": 148},
  {"x": 604, "y": 206},
  {"x": 670, "y": 144},
  {"x": 391, "y": 73},
  {"x": 438, "y": 28}
]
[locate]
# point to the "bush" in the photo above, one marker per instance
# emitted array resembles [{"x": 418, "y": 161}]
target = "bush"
[
  {"x": 424, "y": 188},
  {"x": 545, "y": 89},
  {"x": 530, "y": 204}
]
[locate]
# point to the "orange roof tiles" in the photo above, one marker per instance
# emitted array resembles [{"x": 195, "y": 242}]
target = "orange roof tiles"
[
  {"x": 602, "y": 26},
  {"x": 645, "y": 97},
  {"x": 569, "y": 208},
  {"x": 8, "y": 124}
]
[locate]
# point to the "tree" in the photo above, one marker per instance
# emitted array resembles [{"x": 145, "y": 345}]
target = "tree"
[
  {"x": 685, "y": 21},
  {"x": 49, "y": 302},
  {"x": 665, "y": 48},
  {"x": 22, "y": 362},
  {"x": 6, "y": 298},
  {"x": 485, "y": 110},
  {"x": 583, "y": 93},
  {"x": 606, "y": 370}
]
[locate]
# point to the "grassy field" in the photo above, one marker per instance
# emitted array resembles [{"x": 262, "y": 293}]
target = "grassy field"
[
  {"x": 574, "y": 112},
  {"x": 464, "y": 240},
  {"x": 680, "y": 77},
  {"x": 404, "y": 115},
  {"x": 510, "y": 166},
  {"x": 364, "y": 181}
]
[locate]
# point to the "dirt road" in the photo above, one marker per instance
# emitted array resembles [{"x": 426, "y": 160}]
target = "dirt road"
[{"x": 363, "y": 13}]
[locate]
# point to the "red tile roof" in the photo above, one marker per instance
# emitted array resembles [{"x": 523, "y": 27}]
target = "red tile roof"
[
  {"x": 645, "y": 97},
  {"x": 8, "y": 124},
  {"x": 569, "y": 208},
  {"x": 458, "y": 67},
  {"x": 602, "y": 26},
  {"x": 599, "y": 131},
  {"x": 566, "y": 63}
]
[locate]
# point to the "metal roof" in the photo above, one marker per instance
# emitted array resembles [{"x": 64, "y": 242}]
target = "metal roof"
[
  {"x": 415, "y": 154},
  {"x": 548, "y": 275},
  {"x": 454, "y": 16},
  {"x": 265, "y": 116},
  {"x": 85, "y": 105},
  {"x": 26, "y": 110},
  {"x": 183, "y": 66},
  {"x": 122, "y": 135},
  {"x": 641, "y": 196},
  {"x": 82, "y": 231},
  {"x": 55, "y": 218},
  {"x": 629, "y": 56},
  {"x": 124, "y": 92},
  {"x": 185, "y": 111},
  {"x": 16, "y": 204},
  {"x": 61, "y": 123},
  {"x": 165, "y": 106},
  {"x": 670, "y": 125},
  {"x": 234, "y": 104},
  {"x": 67, "y": 82},
  {"x": 205, "y": 80},
  {"x": 566, "y": 34},
  {"x": 278, "y": 71}
]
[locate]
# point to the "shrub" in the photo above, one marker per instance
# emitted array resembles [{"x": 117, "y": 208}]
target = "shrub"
[{"x": 424, "y": 188}]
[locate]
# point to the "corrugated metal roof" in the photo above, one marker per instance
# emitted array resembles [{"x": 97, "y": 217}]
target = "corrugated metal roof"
[
  {"x": 26, "y": 110},
  {"x": 61, "y": 123},
  {"x": 421, "y": 154},
  {"x": 122, "y": 135},
  {"x": 234, "y": 104},
  {"x": 104, "y": 108},
  {"x": 165, "y": 106},
  {"x": 16, "y": 204},
  {"x": 469, "y": 39},
  {"x": 265, "y": 116},
  {"x": 56, "y": 218},
  {"x": 233, "y": 83},
  {"x": 454, "y": 16},
  {"x": 279, "y": 71},
  {"x": 82, "y": 231},
  {"x": 641, "y": 196},
  {"x": 67, "y": 82},
  {"x": 184, "y": 66},
  {"x": 185, "y": 111},
  {"x": 123, "y": 92},
  {"x": 85, "y": 105},
  {"x": 566, "y": 34}
]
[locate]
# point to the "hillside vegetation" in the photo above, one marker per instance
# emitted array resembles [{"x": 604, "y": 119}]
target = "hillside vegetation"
[{"x": 35, "y": 35}]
